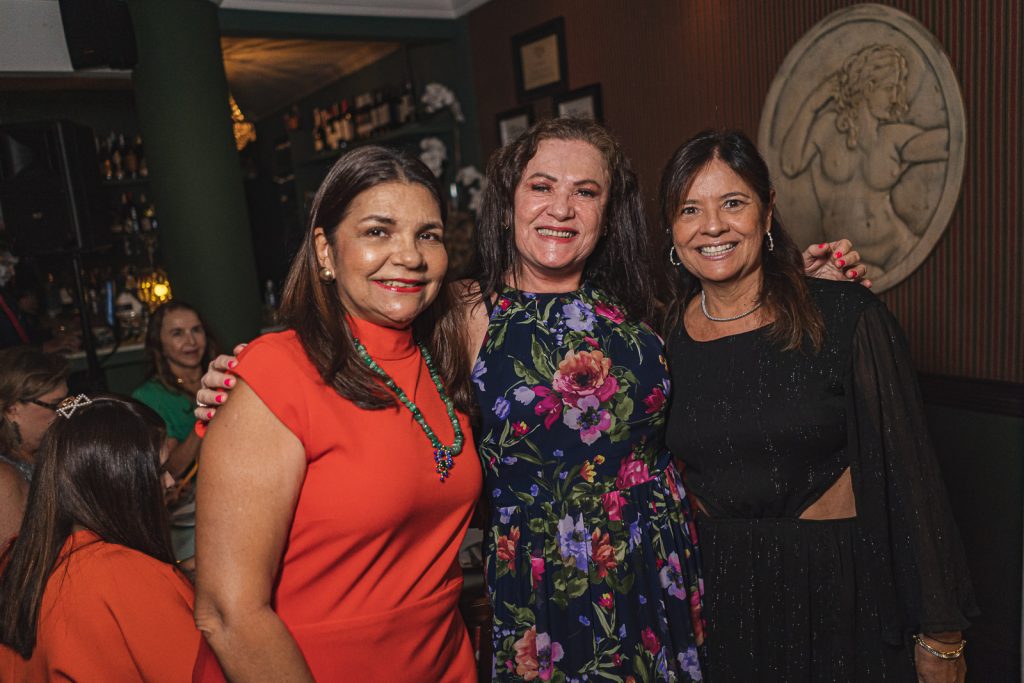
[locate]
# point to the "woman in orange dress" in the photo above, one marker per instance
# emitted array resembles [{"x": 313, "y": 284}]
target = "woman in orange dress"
[
  {"x": 89, "y": 590},
  {"x": 337, "y": 486}
]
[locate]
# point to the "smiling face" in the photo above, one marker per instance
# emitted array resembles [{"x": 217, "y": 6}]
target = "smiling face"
[
  {"x": 720, "y": 227},
  {"x": 388, "y": 254},
  {"x": 182, "y": 339},
  {"x": 559, "y": 206}
]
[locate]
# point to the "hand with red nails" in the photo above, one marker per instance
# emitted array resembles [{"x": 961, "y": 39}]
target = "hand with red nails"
[
  {"x": 217, "y": 382},
  {"x": 835, "y": 261}
]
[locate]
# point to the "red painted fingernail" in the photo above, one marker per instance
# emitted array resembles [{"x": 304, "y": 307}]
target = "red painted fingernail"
[
  {"x": 821, "y": 246},
  {"x": 838, "y": 254},
  {"x": 220, "y": 398},
  {"x": 228, "y": 381},
  {"x": 851, "y": 273},
  {"x": 209, "y": 415},
  {"x": 841, "y": 263},
  {"x": 232, "y": 363}
]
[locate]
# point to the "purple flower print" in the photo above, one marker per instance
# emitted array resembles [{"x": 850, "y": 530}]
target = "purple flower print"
[
  {"x": 578, "y": 316},
  {"x": 501, "y": 407},
  {"x": 524, "y": 395},
  {"x": 588, "y": 418},
  {"x": 479, "y": 370},
  {"x": 574, "y": 541},
  {"x": 672, "y": 577}
]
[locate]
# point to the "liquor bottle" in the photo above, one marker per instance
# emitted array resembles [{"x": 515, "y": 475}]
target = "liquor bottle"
[
  {"x": 406, "y": 105},
  {"x": 143, "y": 169},
  {"x": 147, "y": 222},
  {"x": 131, "y": 223},
  {"x": 364, "y": 124},
  {"x": 116, "y": 161},
  {"x": 383, "y": 109},
  {"x": 131, "y": 161},
  {"x": 318, "y": 138},
  {"x": 348, "y": 128}
]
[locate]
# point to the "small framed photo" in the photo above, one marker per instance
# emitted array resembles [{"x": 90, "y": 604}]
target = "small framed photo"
[
  {"x": 513, "y": 123},
  {"x": 583, "y": 103},
  {"x": 538, "y": 57}
]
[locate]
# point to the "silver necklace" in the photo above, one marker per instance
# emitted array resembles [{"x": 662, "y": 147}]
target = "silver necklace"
[{"x": 704, "y": 309}]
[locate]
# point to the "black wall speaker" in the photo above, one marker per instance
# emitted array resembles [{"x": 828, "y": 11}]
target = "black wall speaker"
[
  {"x": 49, "y": 183},
  {"x": 99, "y": 33}
]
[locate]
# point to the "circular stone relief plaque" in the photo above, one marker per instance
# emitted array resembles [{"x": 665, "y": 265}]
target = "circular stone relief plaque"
[{"x": 864, "y": 132}]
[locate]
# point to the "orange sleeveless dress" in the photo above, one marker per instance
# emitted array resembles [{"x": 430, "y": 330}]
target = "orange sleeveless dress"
[
  {"x": 369, "y": 582},
  {"x": 109, "y": 613}
]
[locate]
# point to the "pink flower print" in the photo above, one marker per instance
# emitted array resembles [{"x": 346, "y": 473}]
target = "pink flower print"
[
  {"x": 632, "y": 472},
  {"x": 536, "y": 571},
  {"x": 520, "y": 428},
  {"x": 589, "y": 419},
  {"x": 608, "y": 311},
  {"x": 503, "y": 304},
  {"x": 550, "y": 405},
  {"x": 602, "y": 553},
  {"x": 655, "y": 400},
  {"x": 582, "y": 374},
  {"x": 605, "y": 601},
  {"x": 650, "y": 641},
  {"x": 593, "y": 342},
  {"x": 613, "y": 504},
  {"x": 548, "y": 653}
]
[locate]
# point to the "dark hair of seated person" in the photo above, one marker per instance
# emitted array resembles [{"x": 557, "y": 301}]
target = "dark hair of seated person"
[
  {"x": 98, "y": 469},
  {"x": 314, "y": 310}
]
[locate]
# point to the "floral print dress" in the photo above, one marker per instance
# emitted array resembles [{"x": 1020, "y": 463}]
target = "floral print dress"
[{"x": 592, "y": 559}]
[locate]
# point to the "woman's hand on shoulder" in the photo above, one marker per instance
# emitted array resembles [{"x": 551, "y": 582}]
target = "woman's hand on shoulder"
[
  {"x": 835, "y": 261},
  {"x": 216, "y": 384}
]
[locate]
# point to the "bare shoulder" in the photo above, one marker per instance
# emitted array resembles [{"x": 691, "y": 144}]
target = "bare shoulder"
[{"x": 12, "y": 485}]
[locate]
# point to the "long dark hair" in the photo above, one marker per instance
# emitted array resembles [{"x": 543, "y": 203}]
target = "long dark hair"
[
  {"x": 618, "y": 265},
  {"x": 314, "y": 310},
  {"x": 158, "y": 365},
  {"x": 25, "y": 373},
  {"x": 784, "y": 293},
  {"x": 99, "y": 468}
]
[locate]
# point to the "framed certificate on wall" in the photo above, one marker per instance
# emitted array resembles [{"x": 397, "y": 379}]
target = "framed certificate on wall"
[{"x": 538, "y": 57}]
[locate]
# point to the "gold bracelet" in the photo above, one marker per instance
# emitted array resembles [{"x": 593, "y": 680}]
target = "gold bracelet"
[{"x": 951, "y": 654}]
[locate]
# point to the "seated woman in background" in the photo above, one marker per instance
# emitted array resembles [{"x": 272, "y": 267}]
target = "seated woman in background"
[
  {"x": 828, "y": 547},
  {"x": 32, "y": 383},
  {"x": 178, "y": 348},
  {"x": 89, "y": 589}
]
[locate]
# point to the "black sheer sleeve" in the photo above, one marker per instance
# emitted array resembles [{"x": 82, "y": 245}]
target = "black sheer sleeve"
[{"x": 902, "y": 504}]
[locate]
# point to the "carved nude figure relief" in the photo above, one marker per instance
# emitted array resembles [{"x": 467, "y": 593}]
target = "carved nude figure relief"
[{"x": 866, "y": 143}]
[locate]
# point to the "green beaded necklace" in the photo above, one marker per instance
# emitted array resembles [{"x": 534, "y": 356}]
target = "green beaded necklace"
[{"x": 443, "y": 455}]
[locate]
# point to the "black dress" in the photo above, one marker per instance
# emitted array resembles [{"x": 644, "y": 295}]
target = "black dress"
[{"x": 763, "y": 433}]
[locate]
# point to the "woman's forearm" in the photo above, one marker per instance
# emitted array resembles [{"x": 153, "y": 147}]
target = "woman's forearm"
[
  {"x": 183, "y": 454},
  {"x": 252, "y": 644}
]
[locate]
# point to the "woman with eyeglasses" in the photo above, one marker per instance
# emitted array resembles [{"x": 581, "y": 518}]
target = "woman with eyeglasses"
[{"x": 32, "y": 383}]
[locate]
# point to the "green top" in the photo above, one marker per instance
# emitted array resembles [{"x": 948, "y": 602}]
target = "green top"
[{"x": 173, "y": 406}]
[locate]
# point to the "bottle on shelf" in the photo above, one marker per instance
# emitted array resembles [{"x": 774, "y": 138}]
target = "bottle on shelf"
[
  {"x": 363, "y": 116},
  {"x": 143, "y": 169},
  {"x": 406, "y": 105},
  {"x": 318, "y": 137},
  {"x": 348, "y": 128},
  {"x": 116, "y": 159}
]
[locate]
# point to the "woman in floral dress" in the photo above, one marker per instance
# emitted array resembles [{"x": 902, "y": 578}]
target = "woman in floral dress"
[{"x": 592, "y": 559}]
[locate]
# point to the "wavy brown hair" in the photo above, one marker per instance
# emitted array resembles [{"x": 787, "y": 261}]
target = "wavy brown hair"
[
  {"x": 314, "y": 310},
  {"x": 784, "y": 292},
  {"x": 158, "y": 365},
  {"x": 25, "y": 373},
  {"x": 619, "y": 264},
  {"x": 99, "y": 469}
]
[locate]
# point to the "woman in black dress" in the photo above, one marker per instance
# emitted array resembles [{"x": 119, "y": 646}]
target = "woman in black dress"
[{"x": 828, "y": 549}]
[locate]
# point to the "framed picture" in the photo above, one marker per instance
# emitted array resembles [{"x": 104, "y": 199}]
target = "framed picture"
[
  {"x": 584, "y": 103},
  {"x": 538, "y": 56},
  {"x": 513, "y": 123}
]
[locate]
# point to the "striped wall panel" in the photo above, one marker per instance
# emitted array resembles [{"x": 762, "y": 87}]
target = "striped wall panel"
[{"x": 669, "y": 68}]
